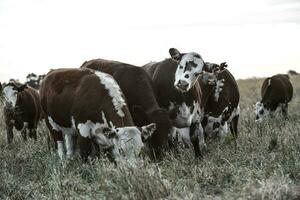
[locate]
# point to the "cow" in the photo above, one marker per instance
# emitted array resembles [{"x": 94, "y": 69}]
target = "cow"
[
  {"x": 276, "y": 91},
  {"x": 90, "y": 105},
  {"x": 138, "y": 89},
  {"x": 178, "y": 91},
  {"x": 220, "y": 100},
  {"x": 22, "y": 110}
]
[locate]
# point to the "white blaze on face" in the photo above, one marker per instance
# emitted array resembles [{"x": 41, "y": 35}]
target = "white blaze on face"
[
  {"x": 10, "y": 95},
  {"x": 114, "y": 91},
  {"x": 218, "y": 89},
  {"x": 188, "y": 70}
]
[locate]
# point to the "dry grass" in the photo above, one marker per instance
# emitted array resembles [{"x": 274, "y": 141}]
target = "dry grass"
[{"x": 266, "y": 165}]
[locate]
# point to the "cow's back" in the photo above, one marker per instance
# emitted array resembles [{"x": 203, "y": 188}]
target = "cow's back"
[
  {"x": 80, "y": 94},
  {"x": 277, "y": 89},
  {"x": 28, "y": 102}
]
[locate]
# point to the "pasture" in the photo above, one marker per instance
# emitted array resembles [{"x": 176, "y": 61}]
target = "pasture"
[{"x": 265, "y": 166}]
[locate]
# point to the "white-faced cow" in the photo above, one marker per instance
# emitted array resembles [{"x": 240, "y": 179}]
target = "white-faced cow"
[
  {"x": 22, "y": 110},
  {"x": 137, "y": 87},
  {"x": 276, "y": 91},
  {"x": 91, "y": 106},
  {"x": 175, "y": 81},
  {"x": 220, "y": 100}
]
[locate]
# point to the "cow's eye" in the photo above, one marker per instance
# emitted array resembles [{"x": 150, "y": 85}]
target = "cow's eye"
[
  {"x": 186, "y": 76},
  {"x": 180, "y": 67}
]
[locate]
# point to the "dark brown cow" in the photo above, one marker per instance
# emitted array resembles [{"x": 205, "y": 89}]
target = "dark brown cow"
[
  {"x": 175, "y": 81},
  {"x": 220, "y": 101},
  {"x": 276, "y": 91},
  {"x": 22, "y": 110},
  {"x": 138, "y": 90},
  {"x": 90, "y": 105}
]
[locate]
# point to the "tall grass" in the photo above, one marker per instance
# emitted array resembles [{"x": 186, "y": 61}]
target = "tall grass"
[{"x": 265, "y": 166}]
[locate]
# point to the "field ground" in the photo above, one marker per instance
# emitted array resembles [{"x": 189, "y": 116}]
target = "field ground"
[{"x": 265, "y": 166}]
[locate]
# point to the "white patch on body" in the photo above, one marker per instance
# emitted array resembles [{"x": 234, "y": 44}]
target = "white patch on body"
[
  {"x": 185, "y": 115},
  {"x": 114, "y": 91},
  {"x": 10, "y": 95},
  {"x": 218, "y": 89},
  {"x": 192, "y": 73},
  {"x": 236, "y": 111}
]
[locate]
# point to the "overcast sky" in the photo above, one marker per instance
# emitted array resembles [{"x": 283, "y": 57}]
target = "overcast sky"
[{"x": 255, "y": 37}]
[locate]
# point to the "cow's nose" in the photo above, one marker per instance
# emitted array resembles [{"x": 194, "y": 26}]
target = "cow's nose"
[
  {"x": 182, "y": 85},
  {"x": 257, "y": 117}
]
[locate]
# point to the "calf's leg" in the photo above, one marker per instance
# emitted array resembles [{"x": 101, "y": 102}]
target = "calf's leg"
[
  {"x": 196, "y": 135},
  {"x": 234, "y": 130},
  {"x": 9, "y": 133}
]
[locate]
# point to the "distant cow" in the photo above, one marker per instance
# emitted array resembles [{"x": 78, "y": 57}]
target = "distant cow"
[
  {"x": 22, "y": 110},
  {"x": 91, "y": 106},
  {"x": 175, "y": 81},
  {"x": 276, "y": 91},
  {"x": 137, "y": 87},
  {"x": 220, "y": 100}
]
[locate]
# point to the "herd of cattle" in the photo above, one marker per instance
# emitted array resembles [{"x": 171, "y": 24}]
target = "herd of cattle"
[{"x": 121, "y": 109}]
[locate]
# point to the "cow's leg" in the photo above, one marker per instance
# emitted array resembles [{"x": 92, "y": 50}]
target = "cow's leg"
[
  {"x": 9, "y": 132},
  {"x": 196, "y": 135},
  {"x": 284, "y": 109},
  {"x": 24, "y": 134},
  {"x": 32, "y": 133},
  {"x": 69, "y": 145},
  {"x": 57, "y": 137},
  {"x": 234, "y": 130}
]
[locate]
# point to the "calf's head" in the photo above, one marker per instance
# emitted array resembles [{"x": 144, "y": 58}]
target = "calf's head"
[
  {"x": 124, "y": 142},
  {"x": 190, "y": 66},
  {"x": 11, "y": 91},
  {"x": 261, "y": 111}
]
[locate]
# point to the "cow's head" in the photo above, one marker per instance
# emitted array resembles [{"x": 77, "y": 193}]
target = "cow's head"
[
  {"x": 11, "y": 91},
  {"x": 190, "y": 66},
  {"x": 124, "y": 142},
  {"x": 261, "y": 111}
]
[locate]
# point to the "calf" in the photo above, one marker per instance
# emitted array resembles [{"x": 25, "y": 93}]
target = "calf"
[
  {"x": 276, "y": 91},
  {"x": 90, "y": 105},
  {"x": 140, "y": 96},
  {"x": 220, "y": 101},
  {"x": 175, "y": 81},
  {"x": 22, "y": 110}
]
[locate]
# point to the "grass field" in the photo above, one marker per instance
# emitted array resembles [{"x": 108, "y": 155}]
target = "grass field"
[{"x": 265, "y": 166}]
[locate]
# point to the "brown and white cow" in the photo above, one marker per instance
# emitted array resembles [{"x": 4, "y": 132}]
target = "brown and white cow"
[
  {"x": 276, "y": 91},
  {"x": 220, "y": 101},
  {"x": 90, "y": 104},
  {"x": 175, "y": 81},
  {"x": 22, "y": 110},
  {"x": 138, "y": 89}
]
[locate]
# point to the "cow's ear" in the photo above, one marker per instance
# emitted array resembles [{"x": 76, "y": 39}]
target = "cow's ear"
[
  {"x": 175, "y": 54},
  {"x": 147, "y": 131},
  {"x": 139, "y": 115},
  {"x": 21, "y": 88}
]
